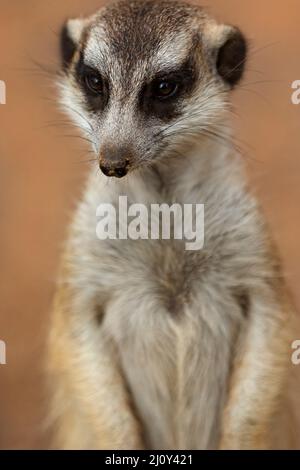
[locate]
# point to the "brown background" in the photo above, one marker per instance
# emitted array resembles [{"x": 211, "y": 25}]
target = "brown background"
[{"x": 41, "y": 171}]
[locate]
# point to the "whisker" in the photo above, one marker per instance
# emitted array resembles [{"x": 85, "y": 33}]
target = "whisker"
[
  {"x": 76, "y": 136},
  {"x": 80, "y": 115},
  {"x": 253, "y": 52}
]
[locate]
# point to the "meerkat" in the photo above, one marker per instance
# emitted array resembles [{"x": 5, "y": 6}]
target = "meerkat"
[{"x": 153, "y": 346}]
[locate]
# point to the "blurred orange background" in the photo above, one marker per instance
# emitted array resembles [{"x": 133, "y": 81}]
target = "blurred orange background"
[{"x": 42, "y": 170}]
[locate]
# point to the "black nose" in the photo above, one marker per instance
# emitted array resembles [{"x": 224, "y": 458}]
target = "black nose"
[
  {"x": 118, "y": 171},
  {"x": 115, "y": 160}
]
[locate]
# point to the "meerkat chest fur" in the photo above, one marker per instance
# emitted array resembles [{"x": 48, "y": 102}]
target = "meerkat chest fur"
[{"x": 174, "y": 316}]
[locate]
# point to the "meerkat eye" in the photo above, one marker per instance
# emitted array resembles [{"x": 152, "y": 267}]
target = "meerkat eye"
[
  {"x": 163, "y": 89},
  {"x": 93, "y": 83}
]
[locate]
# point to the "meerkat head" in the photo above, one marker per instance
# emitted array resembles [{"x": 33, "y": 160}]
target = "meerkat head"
[{"x": 144, "y": 77}]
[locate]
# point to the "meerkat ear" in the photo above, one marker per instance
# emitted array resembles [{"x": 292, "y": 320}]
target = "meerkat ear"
[
  {"x": 231, "y": 55},
  {"x": 69, "y": 39},
  {"x": 229, "y": 48}
]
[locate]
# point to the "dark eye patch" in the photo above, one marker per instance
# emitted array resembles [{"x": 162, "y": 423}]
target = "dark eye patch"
[
  {"x": 94, "y": 86},
  {"x": 161, "y": 96}
]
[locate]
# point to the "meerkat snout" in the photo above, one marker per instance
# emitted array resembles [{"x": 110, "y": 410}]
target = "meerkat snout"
[
  {"x": 118, "y": 171},
  {"x": 115, "y": 161},
  {"x": 149, "y": 75}
]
